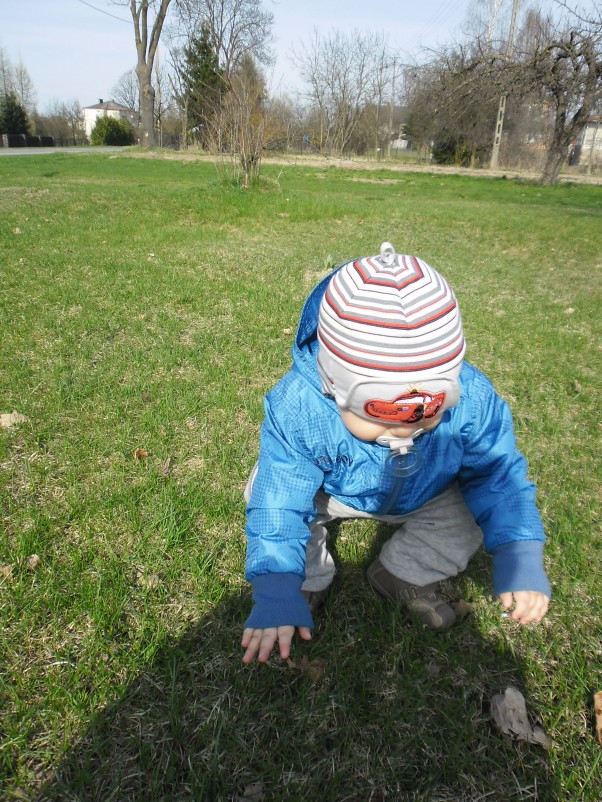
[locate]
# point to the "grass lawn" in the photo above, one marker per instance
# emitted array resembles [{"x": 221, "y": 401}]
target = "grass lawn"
[{"x": 146, "y": 308}]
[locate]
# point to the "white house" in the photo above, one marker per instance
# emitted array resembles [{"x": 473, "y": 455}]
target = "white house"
[
  {"x": 107, "y": 108},
  {"x": 588, "y": 147}
]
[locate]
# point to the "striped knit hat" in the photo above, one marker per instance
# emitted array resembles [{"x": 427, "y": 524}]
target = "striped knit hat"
[{"x": 389, "y": 324}]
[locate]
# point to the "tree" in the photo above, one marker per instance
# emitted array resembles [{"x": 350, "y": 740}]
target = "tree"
[
  {"x": 553, "y": 73},
  {"x": 6, "y": 74},
  {"x": 237, "y": 28},
  {"x": 146, "y": 50},
  {"x": 452, "y": 106},
  {"x": 239, "y": 128},
  {"x": 127, "y": 91},
  {"x": 203, "y": 85},
  {"x": 565, "y": 70},
  {"x": 24, "y": 88},
  {"x": 112, "y": 131},
  {"x": 13, "y": 118},
  {"x": 63, "y": 122},
  {"x": 344, "y": 74}
]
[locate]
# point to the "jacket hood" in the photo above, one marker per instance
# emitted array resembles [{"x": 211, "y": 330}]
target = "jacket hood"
[{"x": 305, "y": 347}]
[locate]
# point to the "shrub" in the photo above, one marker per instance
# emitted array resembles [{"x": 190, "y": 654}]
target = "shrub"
[
  {"x": 452, "y": 150},
  {"x": 112, "y": 131}
]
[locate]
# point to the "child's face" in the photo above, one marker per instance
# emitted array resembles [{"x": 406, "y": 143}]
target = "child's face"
[{"x": 370, "y": 430}]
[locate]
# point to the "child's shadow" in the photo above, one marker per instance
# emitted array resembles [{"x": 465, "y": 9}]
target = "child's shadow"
[{"x": 373, "y": 708}]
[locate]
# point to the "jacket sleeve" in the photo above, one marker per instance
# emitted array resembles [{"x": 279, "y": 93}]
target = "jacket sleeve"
[
  {"x": 279, "y": 512},
  {"x": 494, "y": 483}
]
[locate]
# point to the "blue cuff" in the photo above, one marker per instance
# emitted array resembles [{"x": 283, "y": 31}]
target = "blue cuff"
[
  {"x": 519, "y": 566},
  {"x": 279, "y": 602}
]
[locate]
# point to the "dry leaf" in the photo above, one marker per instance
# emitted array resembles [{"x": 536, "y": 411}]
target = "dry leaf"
[
  {"x": 598, "y": 714},
  {"x": 6, "y": 572},
  {"x": 462, "y": 608},
  {"x": 509, "y": 711},
  {"x": 11, "y": 419},
  {"x": 165, "y": 468},
  {"x": 287, "y": 331},
  {"x": 569, "y": 311},
  {"x": 147, "y": 581},
  {"x": 253, "y": 793},
  {"x": 33, "y": 561},
  {"x": 16, "y": 230},
  {"x": 139, "y": 454},
  {"x": 313, "y": 669}
]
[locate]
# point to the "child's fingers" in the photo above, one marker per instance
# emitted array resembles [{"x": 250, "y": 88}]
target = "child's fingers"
[
  {"x": 507, "y": 600},
  {"x": 285, "y": 636},
  {"x": 246, "y": 637},
  {"x": 305, "y": 633},
  {"x": 258, "y": 640},
  {"x": 529, "y": 606}
]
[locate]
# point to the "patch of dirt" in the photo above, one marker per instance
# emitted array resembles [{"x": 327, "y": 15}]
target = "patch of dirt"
[{"x": 567, "y": 176}]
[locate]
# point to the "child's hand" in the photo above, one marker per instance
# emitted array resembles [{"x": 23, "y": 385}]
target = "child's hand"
[
  {"x": 526, "y": 606},
  {"x": 263, "y": 640}
]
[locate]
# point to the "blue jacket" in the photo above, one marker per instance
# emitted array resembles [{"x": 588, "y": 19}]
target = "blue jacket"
[{"x": 305, "y": 446}]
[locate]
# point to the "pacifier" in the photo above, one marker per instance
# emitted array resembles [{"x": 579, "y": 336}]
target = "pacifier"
[{"x": 403, "y": 460}]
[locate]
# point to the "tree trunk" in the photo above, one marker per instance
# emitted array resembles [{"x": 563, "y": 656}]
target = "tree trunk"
[
  {"x": 559, "y": 147},
  {"x": 147, "y": 109},
  {"x": 146, "y": 48},
  {"x": 554, "y": 161}
]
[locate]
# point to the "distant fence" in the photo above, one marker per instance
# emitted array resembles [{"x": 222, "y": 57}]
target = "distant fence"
[{"x": 24, "y": 141}]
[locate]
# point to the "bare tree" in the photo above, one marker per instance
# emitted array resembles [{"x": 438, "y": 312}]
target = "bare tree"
[
  {"x": 451, "y": 106},
  {"x": 238, "y": 28},
  {"x": 127, "y": 91},
  {"x": 565, "y": 71},
  {"x": 6, "y": 74},
  {"x": 238, "y": 129},
  {"x": 554, "y": 69},
  {"x": 24, "y": 88},
  {"x": 147, "y": 41},
  {"x": 63, "y": 122},
  {"x": 344, "y": 74}
]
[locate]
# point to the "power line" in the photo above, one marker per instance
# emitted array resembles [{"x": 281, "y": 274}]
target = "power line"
[
  {"x": 128, "y": 22},
  {"x": 443, "y": 12}
]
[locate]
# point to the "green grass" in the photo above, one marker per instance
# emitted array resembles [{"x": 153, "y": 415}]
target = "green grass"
[{"x": 146, "y": 305}]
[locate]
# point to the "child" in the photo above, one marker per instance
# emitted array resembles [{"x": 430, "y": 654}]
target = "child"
[{"x": 381, "y": 418}]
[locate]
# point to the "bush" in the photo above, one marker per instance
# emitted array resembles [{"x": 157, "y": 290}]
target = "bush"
[
  {"x": 111, "y": 131},
  {"x": 452, "y": 150}
]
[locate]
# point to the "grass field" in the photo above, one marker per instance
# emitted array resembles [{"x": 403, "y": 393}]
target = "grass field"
[{"x": 146, "y": 307}]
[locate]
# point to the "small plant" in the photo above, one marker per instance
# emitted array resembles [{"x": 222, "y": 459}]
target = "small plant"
[{"x": 111, "y": 131}]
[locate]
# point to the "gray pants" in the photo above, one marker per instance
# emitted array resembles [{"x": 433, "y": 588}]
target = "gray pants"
[{"x": 431, "y": 544}]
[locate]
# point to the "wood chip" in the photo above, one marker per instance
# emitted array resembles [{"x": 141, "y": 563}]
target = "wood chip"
[
  {"x": 598, "y": 714},
  {"x": 8, "y": 419},
  {"x": 509, "y": 711}
]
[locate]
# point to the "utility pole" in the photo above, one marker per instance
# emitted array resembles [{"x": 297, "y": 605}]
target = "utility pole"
[
  {"x": 499, "y": 126},
  {"x": 391, "y": 111}
]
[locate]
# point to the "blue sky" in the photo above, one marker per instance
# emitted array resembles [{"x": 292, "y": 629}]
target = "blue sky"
[{"x": 75, "y": 52}]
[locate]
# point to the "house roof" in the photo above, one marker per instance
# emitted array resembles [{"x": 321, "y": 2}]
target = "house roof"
[{"x": 110, "y": 105}]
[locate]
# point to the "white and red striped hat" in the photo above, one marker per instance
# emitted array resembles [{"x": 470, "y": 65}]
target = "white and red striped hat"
[{"x": 388, "y": 324}]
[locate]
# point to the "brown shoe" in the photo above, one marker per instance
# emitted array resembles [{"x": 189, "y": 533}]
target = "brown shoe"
[
  {"x": 423, "y": 604},
  {"x": 316, "y": 598}
]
